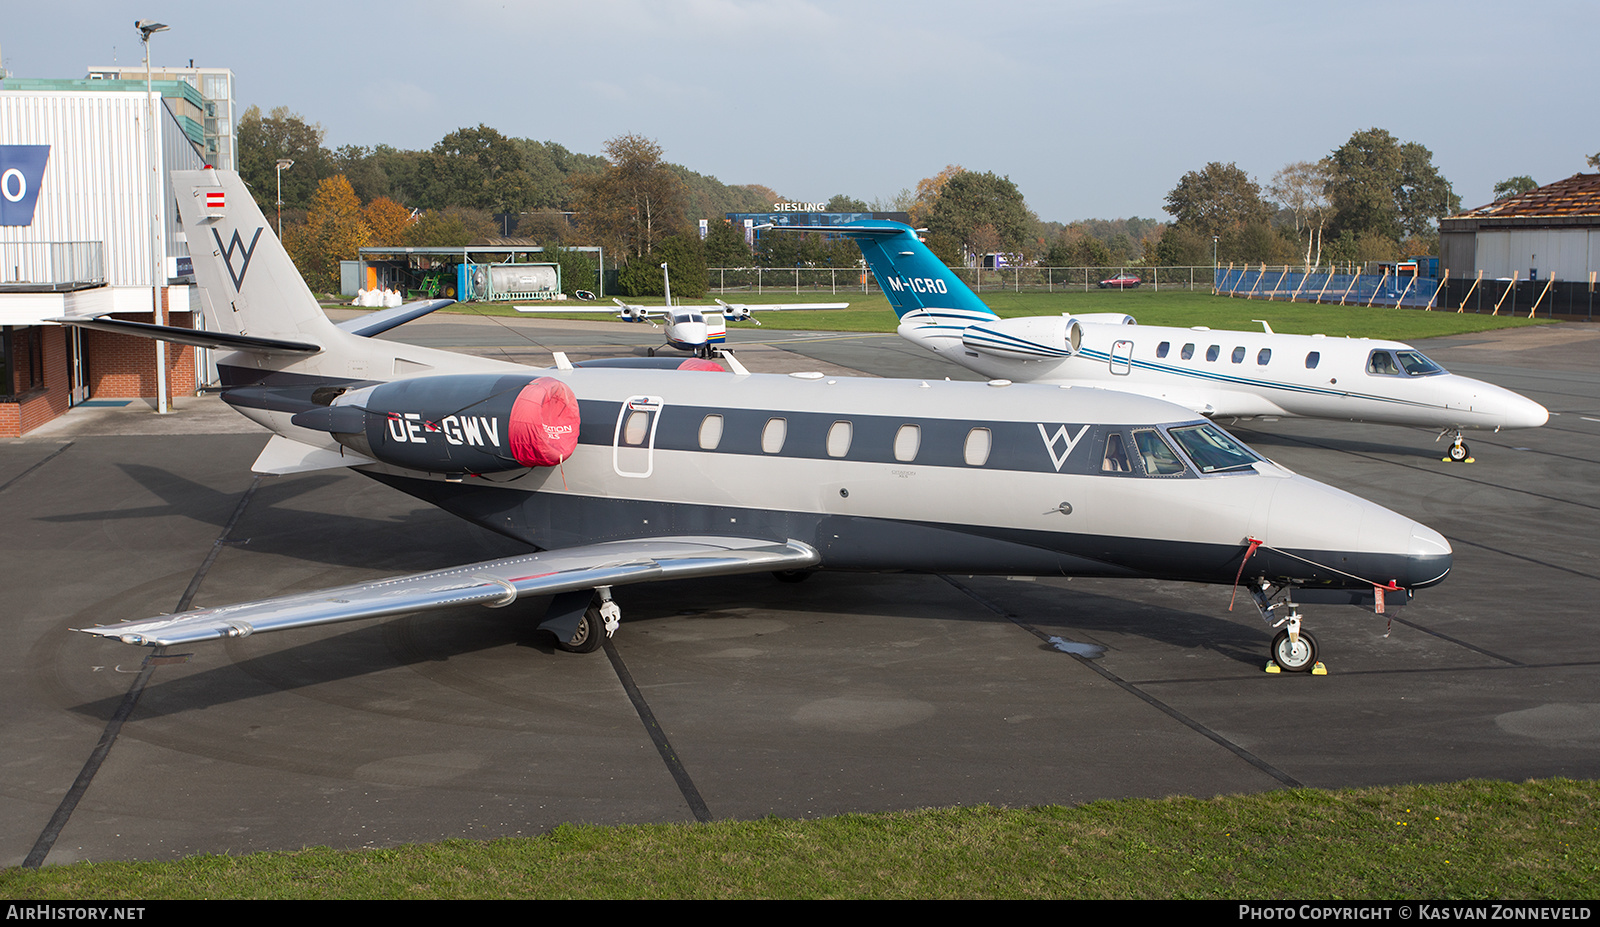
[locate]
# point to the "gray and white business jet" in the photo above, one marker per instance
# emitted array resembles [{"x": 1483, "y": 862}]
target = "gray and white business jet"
[{"x": 620, "y": 475}]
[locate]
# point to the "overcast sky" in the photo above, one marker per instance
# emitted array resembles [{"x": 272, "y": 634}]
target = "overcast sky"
[{"x": 1094, "y": 109}]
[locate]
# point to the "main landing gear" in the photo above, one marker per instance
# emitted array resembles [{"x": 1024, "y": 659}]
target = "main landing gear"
[
  {"x": 1294, "y": 650},
  {"x": 586, "y": 630},
  {"x": 1458, "y": 452}
]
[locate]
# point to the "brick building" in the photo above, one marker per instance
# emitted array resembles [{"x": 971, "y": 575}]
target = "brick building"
[{"x": 80, "y": 237}]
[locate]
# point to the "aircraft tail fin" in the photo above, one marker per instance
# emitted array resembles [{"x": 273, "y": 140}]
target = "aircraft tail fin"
[
  {"x": 912, "y": 277},
  {"x": 251, "y": 285}
]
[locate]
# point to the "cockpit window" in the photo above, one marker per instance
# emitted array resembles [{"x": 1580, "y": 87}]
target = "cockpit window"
[
  {"x": 1157, "y": 458},
  {"x": 1212, "y": 449},
  {"x": 1385, "y": 363},
  {"x": 1382, "y": 364},
  {"x": 1415, "y": 365},
  {"x": 1116, "y": 459}
]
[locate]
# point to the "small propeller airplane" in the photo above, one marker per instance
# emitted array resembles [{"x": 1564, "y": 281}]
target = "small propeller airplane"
[
  {"x": 700, "y": 330},
  {"x": 1224, "y": 375},
  {"x": 602, "y": 469}
]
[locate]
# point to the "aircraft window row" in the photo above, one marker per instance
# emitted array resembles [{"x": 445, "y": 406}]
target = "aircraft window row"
[
  {"x": 1263, "y": 356},
  {"x": 907, "y": 438},
  {"x": 1385, "y": 363}
]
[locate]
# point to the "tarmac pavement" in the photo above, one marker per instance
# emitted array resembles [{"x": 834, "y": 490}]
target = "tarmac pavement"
[{"x": 742, "y": 697}]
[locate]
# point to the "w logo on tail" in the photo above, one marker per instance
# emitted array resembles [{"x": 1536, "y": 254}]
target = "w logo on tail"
[{"x": 236, "y": 245}]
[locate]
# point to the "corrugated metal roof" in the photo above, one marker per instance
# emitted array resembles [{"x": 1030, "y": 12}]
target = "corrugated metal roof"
[{"x": 1578, "y": 195}]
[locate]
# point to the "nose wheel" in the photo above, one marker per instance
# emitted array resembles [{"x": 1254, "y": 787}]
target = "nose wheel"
[
  {"x": 1294, "y": 653},
  {"x": 1459, "y": 452},
  {"x": 1293, "y": 650}
]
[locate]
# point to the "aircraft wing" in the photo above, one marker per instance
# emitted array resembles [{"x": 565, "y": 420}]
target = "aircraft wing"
[
  {"x": 492, "y": 583},
  {"x": 770, "y": 307},
  {"x": 623, "y": 310}
]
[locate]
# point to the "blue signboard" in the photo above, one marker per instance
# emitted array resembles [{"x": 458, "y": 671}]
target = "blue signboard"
[{"x": 21, "y": 176}]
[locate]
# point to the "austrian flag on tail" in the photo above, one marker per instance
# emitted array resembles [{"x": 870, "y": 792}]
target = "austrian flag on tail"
[{"x": 215, "y": 201}]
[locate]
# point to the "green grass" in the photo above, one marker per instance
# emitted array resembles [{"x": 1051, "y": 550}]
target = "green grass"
[
  {"x": 1184, "y": 308},
  {"x": 1468, "y": 840}
]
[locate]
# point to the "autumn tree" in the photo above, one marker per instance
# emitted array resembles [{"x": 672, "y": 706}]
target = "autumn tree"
[
  {"x": 387, "y": 221},
  {"x": 633, "y": 204},
  {"x": 334, "y": 231},
  {"x": 928, "y": 190}
]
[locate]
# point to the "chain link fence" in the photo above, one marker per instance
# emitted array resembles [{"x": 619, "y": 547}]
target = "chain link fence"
[{"x": 831, "y": 280}]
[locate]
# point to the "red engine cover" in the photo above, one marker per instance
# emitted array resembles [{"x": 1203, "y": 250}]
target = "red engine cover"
[{"x": 544, "y": 423}]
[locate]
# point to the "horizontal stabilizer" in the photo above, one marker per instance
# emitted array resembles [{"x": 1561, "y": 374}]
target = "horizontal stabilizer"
[
  {"x": 286, "y": 455},
  {"x": 379, "y": 322},
  {"x": 492, "y": 583},
  {"x": 196, "y": 337}
]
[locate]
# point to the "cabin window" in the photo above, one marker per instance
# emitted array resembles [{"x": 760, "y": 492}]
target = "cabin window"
[
  {"x": 1116, "y": 459},
  {"x": 839, "y": 439},
  {"x": 1188, "y": 351},
  {"x": 710, "y": 432},
  {"x": 1156, "y": 456},
  {"x": 906, "y": 442},
  {"x": 1238, "y": 355},
  {"x": 1312, "y": 359},
  {"x": 1213, "y": 352},
  {"x": 1262, "y": 356},
  {"x": 773, "y": 435},
  {"x": 976, "y": 451},
  {"x": 636, "y": 429},
  {"x": 1163, "y": 348}
]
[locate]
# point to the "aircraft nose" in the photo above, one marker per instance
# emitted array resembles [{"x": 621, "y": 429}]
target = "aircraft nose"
[
  {"x": 1528, "y": 414},
  {"x": 1339, "y": 539},
  {"x": 1428, "y": 558}
]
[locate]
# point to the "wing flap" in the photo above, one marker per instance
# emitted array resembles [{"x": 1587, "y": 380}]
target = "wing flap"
[{"x": 492, "y": 583}]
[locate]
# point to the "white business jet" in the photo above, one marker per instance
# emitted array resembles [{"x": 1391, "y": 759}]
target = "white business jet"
[{"x": 1219, "y": 374}]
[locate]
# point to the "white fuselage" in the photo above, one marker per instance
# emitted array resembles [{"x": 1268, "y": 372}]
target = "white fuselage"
[{"x": 1237, "y": 374}]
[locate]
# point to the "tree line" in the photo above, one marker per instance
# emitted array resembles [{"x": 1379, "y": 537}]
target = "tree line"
[{"x": 1374, "y": 197}]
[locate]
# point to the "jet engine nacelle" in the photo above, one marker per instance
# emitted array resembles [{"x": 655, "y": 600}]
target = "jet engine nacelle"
[
  {"x": 1107, "y": 318},
  {"x": 1030, "y": 338},
  {"x": 471, "y": 423}
]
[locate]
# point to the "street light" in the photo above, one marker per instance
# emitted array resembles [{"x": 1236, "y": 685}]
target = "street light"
[
  {"x": 1214, "y": 287},
  {"x": 146, "y": 29},
  {"x": 283, "y": 165}
]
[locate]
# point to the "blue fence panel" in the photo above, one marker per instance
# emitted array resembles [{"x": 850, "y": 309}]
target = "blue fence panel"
[{"x": 1350, "y": 289}]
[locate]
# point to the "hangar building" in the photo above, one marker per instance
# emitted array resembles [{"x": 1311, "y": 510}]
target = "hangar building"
[
  {"x": 79, "y": 236},
  {"x": 1544, "y": 245}
]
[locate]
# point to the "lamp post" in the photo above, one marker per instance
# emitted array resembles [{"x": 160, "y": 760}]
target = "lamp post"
[
  {"x": 1214, "y": 265},
  {"x": 146, "y": 29},
  {"x": 283, "y": 165}
]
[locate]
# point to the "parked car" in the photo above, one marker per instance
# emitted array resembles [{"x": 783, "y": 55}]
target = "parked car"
[{"x": 1121, "y": 282}]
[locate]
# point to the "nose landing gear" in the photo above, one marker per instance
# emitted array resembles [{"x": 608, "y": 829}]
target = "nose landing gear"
[
  {"x": 1458, "y": 452},
  {"x": 1293, "y": 650}
]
